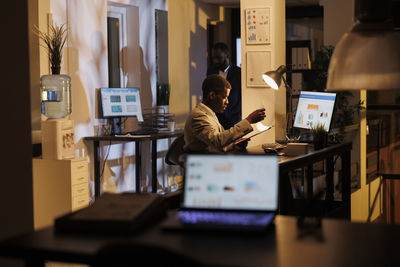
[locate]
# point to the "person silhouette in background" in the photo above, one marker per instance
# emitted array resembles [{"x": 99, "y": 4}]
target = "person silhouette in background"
[{"x": 222, "y": 66}]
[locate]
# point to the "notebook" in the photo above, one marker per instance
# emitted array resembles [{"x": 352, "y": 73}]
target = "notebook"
[
  {"x": 227, "y": 192},
  {"x": 257, "y": 129}
]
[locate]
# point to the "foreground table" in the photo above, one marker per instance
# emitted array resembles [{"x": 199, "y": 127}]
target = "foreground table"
[
  {"x": 337, "y": 243},
  {"x": 329, "y": 206}
]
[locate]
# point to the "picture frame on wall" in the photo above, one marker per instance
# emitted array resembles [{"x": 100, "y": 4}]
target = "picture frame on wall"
[
  {"x": 258, "y": 62},
  {"x": 257, "y": 26}
]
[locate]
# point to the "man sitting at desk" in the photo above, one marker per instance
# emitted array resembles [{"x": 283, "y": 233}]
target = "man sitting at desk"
[{"x": 204, "y": 133}]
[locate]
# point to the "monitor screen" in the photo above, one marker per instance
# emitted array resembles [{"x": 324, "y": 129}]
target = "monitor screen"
[
  {"x": 121, "y": 102},
  {"x": 231, "y": 182},
  {"x": 314, "y": 108}
]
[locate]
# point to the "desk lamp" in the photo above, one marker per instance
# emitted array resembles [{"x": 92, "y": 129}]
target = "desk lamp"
[{"x": 273, "y": 79}]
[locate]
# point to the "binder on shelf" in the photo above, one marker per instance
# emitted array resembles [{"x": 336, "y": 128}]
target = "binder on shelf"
[
  {"x": 297, "y": 83},
  {"x": 294, "y": 58},
  {"x": 306, "y": 58}
]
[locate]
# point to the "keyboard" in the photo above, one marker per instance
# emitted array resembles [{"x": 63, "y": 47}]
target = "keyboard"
[
  {"x": 225, "y": 218},
  {"x": 272, "y": 147},
  {"x": 144, "y": 132}
]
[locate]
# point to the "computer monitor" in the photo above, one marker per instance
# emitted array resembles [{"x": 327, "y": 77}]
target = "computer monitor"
[
  {"x": 314, "y": 108},
  {"x": 121, "y": 102}
]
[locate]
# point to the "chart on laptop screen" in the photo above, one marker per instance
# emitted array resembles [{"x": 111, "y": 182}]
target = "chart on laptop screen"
[
  {"x": 314, "y": 108},
  {"x": 247, "y": 182}
]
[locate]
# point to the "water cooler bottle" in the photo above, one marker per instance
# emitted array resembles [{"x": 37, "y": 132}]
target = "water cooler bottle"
[{"x": 57, "y": 130}]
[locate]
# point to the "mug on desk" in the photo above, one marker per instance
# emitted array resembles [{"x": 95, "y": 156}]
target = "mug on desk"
[{"x": 171, "y": 126}]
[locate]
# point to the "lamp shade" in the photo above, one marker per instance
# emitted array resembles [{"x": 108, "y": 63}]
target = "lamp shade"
[
  {"x": 274, "y": 78},
  {"x": 367, "y": 57}
]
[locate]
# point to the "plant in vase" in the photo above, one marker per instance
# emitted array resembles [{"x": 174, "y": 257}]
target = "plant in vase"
[
  {"x": 56, "y": 88},
  {"x": 320, "y": 136},
  {"x": 54, "y": 41}
]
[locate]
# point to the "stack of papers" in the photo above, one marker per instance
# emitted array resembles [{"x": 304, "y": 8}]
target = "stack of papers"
[{"x": 257, "y": 129}]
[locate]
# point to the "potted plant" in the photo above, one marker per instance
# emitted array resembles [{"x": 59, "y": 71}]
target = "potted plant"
[
  {"x": 320, "y": 136},
  {"x": 54, "y": 41},
  {"x": 55, "y": 89},
  {"x": 163, "y": 92}
]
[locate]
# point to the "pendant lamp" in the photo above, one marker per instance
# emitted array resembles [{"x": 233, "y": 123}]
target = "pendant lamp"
[{"x": 368, "y": 56}]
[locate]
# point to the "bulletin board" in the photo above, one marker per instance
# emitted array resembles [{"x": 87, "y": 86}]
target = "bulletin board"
[
  {"x": 257, "y": 62},
  {"x": 258, "y": 26}
]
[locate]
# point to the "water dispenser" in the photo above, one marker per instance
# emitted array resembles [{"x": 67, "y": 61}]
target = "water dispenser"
[
  {"x": 55, "y": 95},
  {"x": 58, "y": 129}
]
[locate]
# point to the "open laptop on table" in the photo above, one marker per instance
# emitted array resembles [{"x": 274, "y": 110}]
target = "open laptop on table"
[{"x": 227, "y": 192}]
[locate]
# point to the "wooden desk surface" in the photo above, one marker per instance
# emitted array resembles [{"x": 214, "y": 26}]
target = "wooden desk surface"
[{"x": 338, "y": 243}]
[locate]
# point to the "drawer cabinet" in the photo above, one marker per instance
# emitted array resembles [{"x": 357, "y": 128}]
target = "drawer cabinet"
[{"x": 59, "y": 187}]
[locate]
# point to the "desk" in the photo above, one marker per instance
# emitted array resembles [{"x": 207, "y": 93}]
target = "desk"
[
  {"x": 138, "y": 155},
  {"x": 339, "y": 243},
  {"x": 288, "y": 164}
]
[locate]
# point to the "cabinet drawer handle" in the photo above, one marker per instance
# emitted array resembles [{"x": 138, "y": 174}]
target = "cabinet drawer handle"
[
  {"x": 80, "y": 190},
  {"x": 81, "y": 178},
  {"x": 80, "y": 167}
]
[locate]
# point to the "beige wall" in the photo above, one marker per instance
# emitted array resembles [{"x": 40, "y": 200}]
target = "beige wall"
[
  {"x": 253, "y": 98},
  {"x": 187, "y": 53},
  {"x": 338, "y": 18}
]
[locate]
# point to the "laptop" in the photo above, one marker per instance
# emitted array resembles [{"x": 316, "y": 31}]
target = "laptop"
[{"x": 227, "y": 192}]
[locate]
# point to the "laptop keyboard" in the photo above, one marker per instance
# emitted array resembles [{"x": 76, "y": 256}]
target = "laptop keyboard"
[
  {"x": 145, "y": 131},
  {"x": 225, "y": 218}
]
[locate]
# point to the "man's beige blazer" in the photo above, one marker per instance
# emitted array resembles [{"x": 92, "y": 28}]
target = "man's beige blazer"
[{"x": 204, "y": 133}]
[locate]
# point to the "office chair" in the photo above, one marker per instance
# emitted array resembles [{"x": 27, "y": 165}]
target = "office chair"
[
  {"x": 125, "y": 254},
  {"x": 175, "y": 152}
]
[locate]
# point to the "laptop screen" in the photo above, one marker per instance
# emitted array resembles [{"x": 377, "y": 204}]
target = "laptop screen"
[
  {"x": 231, "y": 182},
  {"x": 314, "y": 108}
]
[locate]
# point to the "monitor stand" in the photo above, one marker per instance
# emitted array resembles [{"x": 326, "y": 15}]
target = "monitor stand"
[{"x": 115, "y": 125}]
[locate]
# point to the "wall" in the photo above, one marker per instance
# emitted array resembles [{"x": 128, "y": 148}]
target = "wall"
[
  {"x": 338, "y": 19},
  {"x": 253, "y": 98},
  {"x": 188, "y": 53}
]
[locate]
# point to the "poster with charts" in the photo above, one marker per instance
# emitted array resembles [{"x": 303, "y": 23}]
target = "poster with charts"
[{"x": 257, "y": 26}]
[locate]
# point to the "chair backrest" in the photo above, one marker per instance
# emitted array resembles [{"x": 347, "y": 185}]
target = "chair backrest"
[{"x": 175, "y": 151}]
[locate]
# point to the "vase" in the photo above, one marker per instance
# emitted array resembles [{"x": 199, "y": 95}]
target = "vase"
[
  {"x": 163, "y": 92},
  {"x": 55, "y": 91},
  {"x": 55, "y": 69},
  {"x": 320, "y": 141}
]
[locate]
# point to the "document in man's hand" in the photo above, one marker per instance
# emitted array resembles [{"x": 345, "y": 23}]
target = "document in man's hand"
[{"x": 257, "y": 129}]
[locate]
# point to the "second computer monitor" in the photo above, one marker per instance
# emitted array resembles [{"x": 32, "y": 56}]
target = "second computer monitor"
[
  {"x": 121, "y": 102},
  {"x": 314, "y": 108}
]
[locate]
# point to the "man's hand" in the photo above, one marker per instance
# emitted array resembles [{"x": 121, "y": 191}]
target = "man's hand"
[{"x": 256, "y": 116}]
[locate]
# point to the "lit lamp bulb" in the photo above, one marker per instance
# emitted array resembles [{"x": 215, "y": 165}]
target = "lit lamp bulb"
[{"x": 274, "y": 78}]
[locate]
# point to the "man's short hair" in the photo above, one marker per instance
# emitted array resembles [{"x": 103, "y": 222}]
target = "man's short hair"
[
  {"x": 214, "y": 83},
  {"x": 221, "y": 46}
]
